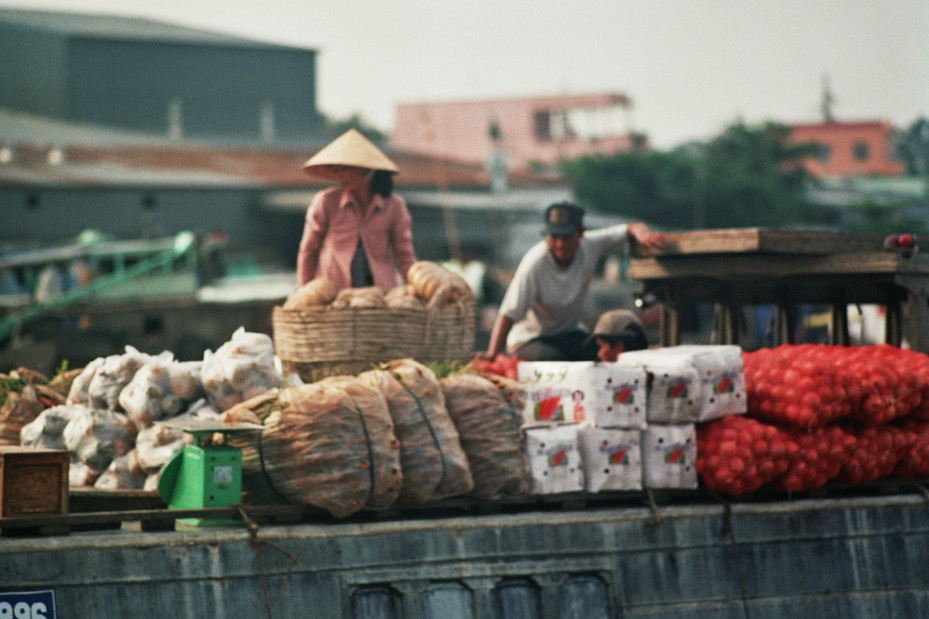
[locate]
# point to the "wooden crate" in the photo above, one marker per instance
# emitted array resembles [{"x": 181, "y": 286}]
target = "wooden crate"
[{"x": 33, "y": 481}]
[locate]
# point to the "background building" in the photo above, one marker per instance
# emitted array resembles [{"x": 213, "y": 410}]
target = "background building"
[
  {"x": 850, "y": 149},
  {"x": 528, "y": 132},
  {"x": 160, "y": 78}
]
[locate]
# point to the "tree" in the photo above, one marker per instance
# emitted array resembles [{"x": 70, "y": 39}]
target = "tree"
[
  {"x": 913, "y": 147},
  {"x": 654, "y": 186},
  {"x": 746, "y": 176},
  {"x": 754, "y": 177}
]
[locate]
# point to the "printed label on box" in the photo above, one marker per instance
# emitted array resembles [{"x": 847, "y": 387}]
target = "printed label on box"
[
  {"x": 612, "y": 459},
  {"x": 556, "y": 392},
  {"x": 623, "y": 399},
  {"x": 554, "y": 459},
  {"x": 669, "y": 456}
]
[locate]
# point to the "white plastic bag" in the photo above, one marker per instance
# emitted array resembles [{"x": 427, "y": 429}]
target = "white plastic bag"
[{"x": 240, "y": 369}]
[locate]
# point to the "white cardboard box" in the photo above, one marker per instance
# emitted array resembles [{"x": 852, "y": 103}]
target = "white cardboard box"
[
  {"x": 554, "y": 459},
  {"x": 600, "y": 394},
  {"x": 622, "y": 398},
  {"x": 612, "y": 458},
  {"x": 669, "y": 456},
  {"x": 691, "y": 383}
]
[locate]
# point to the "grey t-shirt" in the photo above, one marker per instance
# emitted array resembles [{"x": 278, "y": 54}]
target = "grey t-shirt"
[{"x": 543, "y": 298}]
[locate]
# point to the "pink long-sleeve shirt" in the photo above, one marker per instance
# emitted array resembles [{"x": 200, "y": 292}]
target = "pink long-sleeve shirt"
[{"x": 334, "y": 224}]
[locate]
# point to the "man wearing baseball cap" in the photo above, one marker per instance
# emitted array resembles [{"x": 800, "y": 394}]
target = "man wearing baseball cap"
[{"x": 540, "y": 316}]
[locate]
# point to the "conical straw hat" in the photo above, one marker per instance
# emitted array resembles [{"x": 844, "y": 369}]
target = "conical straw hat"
[{"x": 351, "y": 148}]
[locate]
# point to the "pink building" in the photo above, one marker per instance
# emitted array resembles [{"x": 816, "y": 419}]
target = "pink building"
[
  {"x": 533, "y": 130},
  {"x": 850, "y": 149}
]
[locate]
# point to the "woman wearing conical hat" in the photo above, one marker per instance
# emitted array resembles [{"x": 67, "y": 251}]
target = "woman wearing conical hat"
[{"x": 358, "y": 233}]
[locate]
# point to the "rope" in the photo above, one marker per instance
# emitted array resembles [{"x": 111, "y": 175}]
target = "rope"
[
  {"x": 264, "y": 471},
  {"x": 432, "y": 432},
  {"x": 727, "y": 533},
  {"x": 252, "y": 527},
  {"x": 657, "y": 518},
  {"x": 922, "y": 490},
  {"x": 371, "y": 468}
]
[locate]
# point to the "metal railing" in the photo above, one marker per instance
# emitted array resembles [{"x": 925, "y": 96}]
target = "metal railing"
[{"x": 164, "y": 256}]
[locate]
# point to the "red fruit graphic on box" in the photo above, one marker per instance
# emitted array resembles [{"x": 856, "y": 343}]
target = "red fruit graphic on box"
[
  {"x": 726, "y": 385},
  {"x": 549, "y": 409},
  {"x": 677, "y": 390},
  {"x": 620, "y": 456},
  {"x": 675, "y": 456},
  {"x": 624, "y": 396},
  {"x": 559, "y": 458}
]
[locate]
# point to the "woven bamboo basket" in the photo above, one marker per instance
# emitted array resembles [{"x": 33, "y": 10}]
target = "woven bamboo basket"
[{"x": 315, "y": 343}]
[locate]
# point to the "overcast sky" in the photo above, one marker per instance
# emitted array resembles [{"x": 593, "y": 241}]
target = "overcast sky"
[{"x": 690, "y": 67}]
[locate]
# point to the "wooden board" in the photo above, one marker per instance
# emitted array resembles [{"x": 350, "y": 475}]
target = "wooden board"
[
  {"x": 738, "y": 266},
  {"x": 763, "y": 241}
]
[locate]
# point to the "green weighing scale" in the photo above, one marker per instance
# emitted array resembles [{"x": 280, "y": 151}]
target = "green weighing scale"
[{"x": 204, "y": 474}]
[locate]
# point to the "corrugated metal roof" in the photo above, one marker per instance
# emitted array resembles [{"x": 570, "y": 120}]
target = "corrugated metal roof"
[
  {"x": 172, "y": 164},
  {"x": 38, "y": 150},
  {"x": 25, "y": 128},
  {"x": 85, "y": 25}
]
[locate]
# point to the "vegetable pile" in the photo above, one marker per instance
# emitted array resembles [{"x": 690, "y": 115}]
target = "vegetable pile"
[
  {"x": 736, "y": 454},
  {"x": 848, "y": 414},
  {"x": 501, "y": 365}
]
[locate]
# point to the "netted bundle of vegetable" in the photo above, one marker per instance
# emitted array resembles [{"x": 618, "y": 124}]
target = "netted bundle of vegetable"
[
  {"x": 875, "y": 453},
  {"x": 513, "y": 393},
  {"x": 809, "y": 385},
  {"x": 490, "y": 432},
  {"x": 884, "y": 382},
  {"x": 736, "y": 454},
  {"x": 240, "y": 369},
  {"x": 433, "y": 462},
  {"x": 160, "y": 389},
  {"x": 822, "y": 453},
  {"x": 915, "y": 460},
  {"x": 329, "y": 444}
]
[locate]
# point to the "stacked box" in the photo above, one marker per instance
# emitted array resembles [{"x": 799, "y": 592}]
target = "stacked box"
[
  {"x": 623, "y": 397},
  {"x": 691, "y": 383},
  {"x": 603, "y": 407},
  {"x": 612, "y": 458},
  {"x": 604, "y": 395},
  {"x": 669, "y": 456},
  {"x": 555, "y": 391},
  {"x": 687, "y": 385},
  {"x": 554, "y": 459}
]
